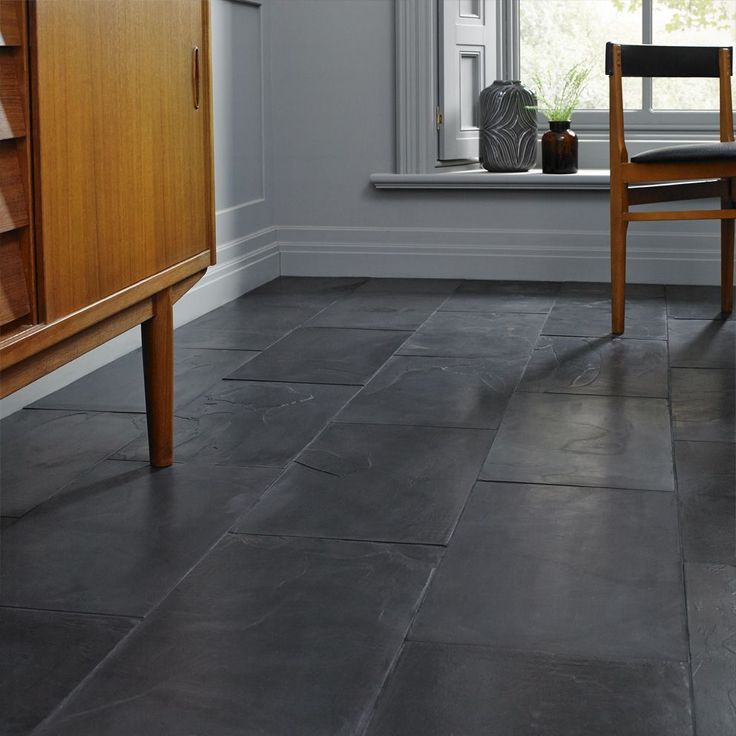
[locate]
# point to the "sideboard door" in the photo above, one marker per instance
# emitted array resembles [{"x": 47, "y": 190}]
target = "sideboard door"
[{"x": 122, "y": 143}]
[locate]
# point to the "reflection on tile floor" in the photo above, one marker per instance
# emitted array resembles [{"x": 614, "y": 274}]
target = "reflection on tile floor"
[{"x": 399, "y": 508}]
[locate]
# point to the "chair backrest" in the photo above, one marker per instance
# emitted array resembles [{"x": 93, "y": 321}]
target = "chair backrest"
[
  {"x": 668, "y": 61},
  {"x": 629, "y": 60}
]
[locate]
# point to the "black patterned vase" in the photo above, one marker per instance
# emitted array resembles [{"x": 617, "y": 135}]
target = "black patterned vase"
[{"x": 508, "y": 127}]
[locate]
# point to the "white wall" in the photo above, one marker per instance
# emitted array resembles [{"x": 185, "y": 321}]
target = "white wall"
[{"x": 333, "y": 77}]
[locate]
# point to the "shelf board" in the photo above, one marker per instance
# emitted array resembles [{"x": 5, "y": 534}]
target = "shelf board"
[
  {"x": 14, "y": 302},
  {"x": 10, "y": 26},
  {"x": 13, "y": 205},
  {"x": 12, "y": 117}
]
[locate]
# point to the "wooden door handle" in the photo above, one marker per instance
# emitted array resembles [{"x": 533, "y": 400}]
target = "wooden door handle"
[{"x": 195, "y": 76}]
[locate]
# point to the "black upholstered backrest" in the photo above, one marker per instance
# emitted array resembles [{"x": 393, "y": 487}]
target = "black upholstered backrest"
[{"x": 667, "y": 61}]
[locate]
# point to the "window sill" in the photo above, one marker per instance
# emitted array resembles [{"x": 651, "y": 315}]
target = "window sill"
[{"x": 480, "y": 179}]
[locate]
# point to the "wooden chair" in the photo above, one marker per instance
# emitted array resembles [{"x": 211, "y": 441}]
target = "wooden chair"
[{"x": 684, "y": 172}]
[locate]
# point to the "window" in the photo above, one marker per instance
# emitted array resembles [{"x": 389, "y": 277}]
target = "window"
[
  {"x": 483, "y": 40},
  {"x": 588, "y": 24}
]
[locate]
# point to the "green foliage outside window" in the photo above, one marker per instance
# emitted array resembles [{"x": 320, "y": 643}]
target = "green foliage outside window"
[
  {"x": 699, "y": 14},
  {"x": 557, "y": 34}
]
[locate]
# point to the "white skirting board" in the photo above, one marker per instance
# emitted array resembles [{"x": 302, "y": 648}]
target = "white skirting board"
[
  {"x": 242, "y": 265},
  {"x": 664, "y": 257}
]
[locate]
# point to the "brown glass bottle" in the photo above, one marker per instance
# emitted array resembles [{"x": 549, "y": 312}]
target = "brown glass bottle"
[{"x": 559, "y": 149}]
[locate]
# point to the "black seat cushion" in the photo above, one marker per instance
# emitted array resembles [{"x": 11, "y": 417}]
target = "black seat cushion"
[{"x": 692, "y": 153}]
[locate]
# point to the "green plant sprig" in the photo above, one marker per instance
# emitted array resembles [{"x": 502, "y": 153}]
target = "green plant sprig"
[{"x": 558, "y": 96}]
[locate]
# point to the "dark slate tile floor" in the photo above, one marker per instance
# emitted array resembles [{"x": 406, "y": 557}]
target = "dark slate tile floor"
[
  {"x": 118, "y": 386},
  {"x": 44, "y": 656},
  {"x": 398, "y": 507}
]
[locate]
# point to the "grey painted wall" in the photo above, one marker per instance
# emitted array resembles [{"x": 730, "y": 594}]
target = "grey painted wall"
[
  {"x": 241, "y": 93},
  {"x": 333, "y": 125}
]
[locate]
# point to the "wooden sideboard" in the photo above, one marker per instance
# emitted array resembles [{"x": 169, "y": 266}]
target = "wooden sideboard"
[{"x": 106, "y": 183}]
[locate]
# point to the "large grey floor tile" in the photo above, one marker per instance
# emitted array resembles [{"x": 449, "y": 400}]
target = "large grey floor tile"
[
  {"x": 584, "y": 310},
  {"x": 476, "y": 334},
  {"x": 249, "y": 423},
  {"x": 587, "y": 290},
  {"x": 122, "y": 536},
  {"x": 410, "y": 286},
  {"x": 694, "y": 302},
  {"x": 440, "y": 392},
  {"x": 702, "y": 343},
  {"x": 711, "y": 593},
  {"x": 42, "y": 451},
  {"x": 440, "y": 689},
  {"x": 324, "y": 355},
  {"x": 374, "y": 482},
  {"x": 576, "y": 571},
  {"x": 377, "y": 310},
  {"x": 598, "y": 366},
  {"x": 503, "y": 296},
  {"x": 44, "y": 657},
  {"x": 706, "y": 486},
  {"x": 266, "y": 636},
  {"x": 704, "y": 404},
  {"x": 612, "y": 441},
  {"x": 118, "y": 386},
  {"x": 252, "y": 322},
  {"x": 325, "y": 288}
]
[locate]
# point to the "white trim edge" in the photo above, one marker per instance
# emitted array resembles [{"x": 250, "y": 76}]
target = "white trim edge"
[
  {"x": 664, "y": 257},
  {"x": 480, "y": 179}
]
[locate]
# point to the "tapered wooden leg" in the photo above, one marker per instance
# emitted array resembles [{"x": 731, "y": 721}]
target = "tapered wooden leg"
[
  {"x": 158, "y": 371},
  {"x": 727, "y": 238},
  {"x": 618, "y": 259}
]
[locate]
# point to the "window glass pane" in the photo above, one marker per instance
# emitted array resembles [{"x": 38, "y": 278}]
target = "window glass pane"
[
  {"x": 555, "y": 34},
  {"x": 691, "y": 23}
]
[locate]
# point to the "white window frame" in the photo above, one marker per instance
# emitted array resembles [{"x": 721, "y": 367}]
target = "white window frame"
[{"x": 417, "y": 94}]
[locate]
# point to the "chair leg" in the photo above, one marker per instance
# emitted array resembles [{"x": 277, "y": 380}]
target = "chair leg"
[
  {"x": 727, "y": 239},
  {"x": 618, "y": 263}
]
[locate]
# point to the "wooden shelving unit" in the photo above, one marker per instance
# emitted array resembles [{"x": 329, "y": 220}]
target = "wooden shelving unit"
[
  {"x": 106, "y": 191},
  {"x": 17, "y": 259}
]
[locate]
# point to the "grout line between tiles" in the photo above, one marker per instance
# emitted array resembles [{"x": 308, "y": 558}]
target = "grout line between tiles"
[
  {"x": 606, "y": 335},
  {"x": 680, "y": 530},
  {"x": 136, "y": 412},
  {"x": 365, "y": 329},
  {"x": 492, "y": 311},
  {"x": 575, "y": 485},
  {"x": 544, "y": 653},
  {"x": 291, "y": 380},
  {"x": 72, "y": 612},
  {"x": 348, "y": 422},
  {"x": 599, "y": 396},
  {"x": 371, "y": 711},
  {"x": 353, "y": 540}
]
